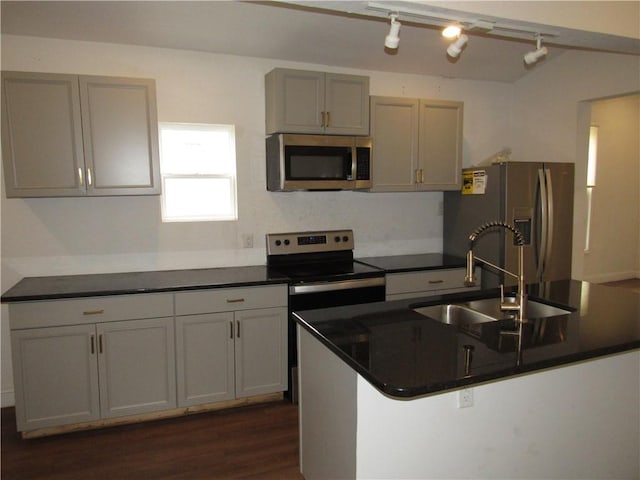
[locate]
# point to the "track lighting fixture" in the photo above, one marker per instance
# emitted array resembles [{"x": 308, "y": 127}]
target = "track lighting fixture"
[
  {"x": 452, "y": 31},
  {"x": 456, "y": 47},
  {"x": 392, "y": 40},
  {"x": 532, "y": 57}
]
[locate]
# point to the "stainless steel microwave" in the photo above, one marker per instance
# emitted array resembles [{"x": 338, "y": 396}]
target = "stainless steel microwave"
[{"x": 318, "y": 162}]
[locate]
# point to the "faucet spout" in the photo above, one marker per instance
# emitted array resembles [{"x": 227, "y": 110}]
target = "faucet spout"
[{"x": 520, "y": 304}]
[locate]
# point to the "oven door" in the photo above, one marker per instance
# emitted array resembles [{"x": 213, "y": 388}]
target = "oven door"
[
  {"x": 318, "y": 167},
  {"x": 307, "y": 296}
]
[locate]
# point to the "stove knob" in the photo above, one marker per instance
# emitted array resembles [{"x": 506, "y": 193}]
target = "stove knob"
[
  {"x": 345, "y": 239},
  {"x": 278, "y": 243},
  {"x": 337, "y": 238},
  {"x": 287, "y": 242}
]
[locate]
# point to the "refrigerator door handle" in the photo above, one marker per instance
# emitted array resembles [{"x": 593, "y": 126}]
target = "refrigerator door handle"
[
  {"x": 542, "y": 253},
  {"x": 551, "y": 206}
]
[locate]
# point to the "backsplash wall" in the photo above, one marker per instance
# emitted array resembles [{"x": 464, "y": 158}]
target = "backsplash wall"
[{"x": 81, "y": 235}]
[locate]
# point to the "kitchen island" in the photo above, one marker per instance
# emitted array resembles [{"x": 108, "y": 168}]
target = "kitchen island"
[{"x": 389, "y": 393}]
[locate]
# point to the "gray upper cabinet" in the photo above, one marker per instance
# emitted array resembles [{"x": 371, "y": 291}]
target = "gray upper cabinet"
[
  {"x": 120, "y": 126},
  {"x": 69, "y": 135},
  {"x": 41, "y": 135},
  {"x": 300, "y": 101},
  {"x": 417, "y": 144}
]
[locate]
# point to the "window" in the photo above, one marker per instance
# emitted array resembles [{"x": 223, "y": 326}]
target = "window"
[
  {"x": 591, "y": 178},
  {"x": 198, "y": 165}
]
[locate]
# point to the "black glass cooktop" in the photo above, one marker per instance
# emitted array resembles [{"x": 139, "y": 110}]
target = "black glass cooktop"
[{"x": 330, "y": 271}]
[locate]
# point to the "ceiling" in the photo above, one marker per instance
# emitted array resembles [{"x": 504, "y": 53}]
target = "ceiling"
[{"x": 350, "y": 34}]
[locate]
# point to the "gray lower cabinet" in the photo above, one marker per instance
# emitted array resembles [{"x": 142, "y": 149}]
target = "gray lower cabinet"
[
  {"x": 417, "y": 144},
  {"x": 84, "y": 369},
  {"x": 231, "y": 343},
  {"x": 74, "y": 135},
  {"x": 428, "y": 282},
  {"x": 55, "y": 376}
]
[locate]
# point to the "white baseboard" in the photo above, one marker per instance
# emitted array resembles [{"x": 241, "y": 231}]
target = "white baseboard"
[
  {"x": 7, "y": 398},
  {"x": 612, "y": 277}
]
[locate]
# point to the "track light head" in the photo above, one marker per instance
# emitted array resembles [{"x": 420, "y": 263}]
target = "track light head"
[
  {"x": 393, "y": 39},
  {"x": 532, "y": 57},
  {"x": 456, "y": 47},
  {"x": 452, "y": 31}
]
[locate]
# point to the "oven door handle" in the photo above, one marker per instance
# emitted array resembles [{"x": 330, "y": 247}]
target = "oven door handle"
[{"x": 340, "y": 285}]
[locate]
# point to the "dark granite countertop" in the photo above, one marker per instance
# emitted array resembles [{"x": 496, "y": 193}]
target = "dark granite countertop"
[
  {"x": 413, "y": 263},
  {"x": 72, "y": 286},
  {"x": 101, "y": 284},
  {"x": 405, "y": 354}
]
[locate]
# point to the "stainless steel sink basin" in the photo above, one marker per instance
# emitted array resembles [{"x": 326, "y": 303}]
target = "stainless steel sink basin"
[
  {"x": 491, "y": 307},
  {"x": 485, "y": 310},
  {"x": 454, "y": 314}
]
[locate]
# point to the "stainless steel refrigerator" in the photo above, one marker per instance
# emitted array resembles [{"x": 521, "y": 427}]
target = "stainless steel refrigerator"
[{"x": 536, "y": 198}]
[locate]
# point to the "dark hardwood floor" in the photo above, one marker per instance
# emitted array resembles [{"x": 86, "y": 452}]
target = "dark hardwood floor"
[{"x": 254, "y": 442}]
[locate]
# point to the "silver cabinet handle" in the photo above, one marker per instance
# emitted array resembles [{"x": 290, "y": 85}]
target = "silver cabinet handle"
[
  {"x": 235, "y": 300},
  {"x": 434, "y": 282},
  {"x": 93, "y": 312},
  {"x": 238, "y": 329},
  {"x": 100, "y": 343},
  {"x": 328, "y": 116},
  {"x": 231, "y": 329},
  {"x": 89, "y": 177},
  {"x": 93, "y": 344},
  {"x": 80, "y": 176}
]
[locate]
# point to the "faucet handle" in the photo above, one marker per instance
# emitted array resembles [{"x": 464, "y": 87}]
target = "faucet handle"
[
  {"x": 469, "y": 278},
  {"x": 504, "y": 305}
]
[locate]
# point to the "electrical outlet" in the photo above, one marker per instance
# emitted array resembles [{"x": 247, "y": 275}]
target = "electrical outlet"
[
  {"x": 247, "y": 240},
  {"x": 465, "y": 398}
]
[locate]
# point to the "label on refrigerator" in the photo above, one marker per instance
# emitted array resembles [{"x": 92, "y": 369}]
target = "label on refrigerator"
[{"x": 474, "y": 182}]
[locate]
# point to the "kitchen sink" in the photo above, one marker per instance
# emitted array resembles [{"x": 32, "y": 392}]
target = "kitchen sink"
[
  {"x": 491, "y": 307},
  {"x": 485, "y": 310},
  {"x": 454, "y": 314}
]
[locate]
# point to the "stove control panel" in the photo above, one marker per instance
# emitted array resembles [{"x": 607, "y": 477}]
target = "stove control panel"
[{"x": 309, "y": 242}]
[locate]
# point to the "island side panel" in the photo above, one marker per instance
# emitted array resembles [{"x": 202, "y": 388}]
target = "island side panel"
[
  {"x": 327, "y": 405},
  {"x": 578, "y": 421}
]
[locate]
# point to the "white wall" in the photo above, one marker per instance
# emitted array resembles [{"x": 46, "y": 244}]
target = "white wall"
[
  {"x": 87, "y": 235},
  {"x": 614, "y": 247},
  {"x": 552, "y": 113},
  {"x": 558, "y": 423}
]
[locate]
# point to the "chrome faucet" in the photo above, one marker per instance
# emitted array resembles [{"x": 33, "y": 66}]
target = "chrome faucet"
[{"x": 469, "y": 280}]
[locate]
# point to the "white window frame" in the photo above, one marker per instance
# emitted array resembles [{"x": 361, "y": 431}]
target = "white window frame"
[
  {"x": 228, "y": 174},
  {"x": 592, "y": 162}
]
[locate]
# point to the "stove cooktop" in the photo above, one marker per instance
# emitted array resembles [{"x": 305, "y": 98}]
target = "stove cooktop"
[{"x": 315, "y": 257}]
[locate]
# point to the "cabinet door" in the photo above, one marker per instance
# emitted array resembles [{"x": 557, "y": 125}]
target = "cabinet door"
[
  {"x": 136, "y": 364},
  {"x": 294, "y": 101},
  {"x": 440, "y": 145},
  {"x": 120, "y": 126},
  {"x": 205, "y": 358},
  {"x": 394, "y": 132},
  {"x": 261, "y": 351},
  {"x": 346, "y": 104},
  {"x": 41, "y": 135},
  {"x": 56, "y": 376}
]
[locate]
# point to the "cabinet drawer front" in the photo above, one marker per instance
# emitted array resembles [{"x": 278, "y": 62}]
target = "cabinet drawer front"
[
  {"x": 431, "y": 280},
  {"x": 230, "y": 299},
  {"x": 48, "y": 313}
]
